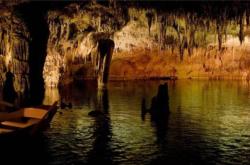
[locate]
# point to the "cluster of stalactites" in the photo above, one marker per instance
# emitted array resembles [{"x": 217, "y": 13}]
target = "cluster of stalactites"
[
  {"x": 14, "y": 51},
  {"x": 74, "y": 38},
  {"x": 186, "y": 26},
  {"x": 64, "y": 53}
]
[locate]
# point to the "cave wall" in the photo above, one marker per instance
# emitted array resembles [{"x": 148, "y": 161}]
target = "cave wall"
[
  {"x": 14, "y": 50},
  {"x": 150, "y": 41},
  {"x": 183, "y": 41}
]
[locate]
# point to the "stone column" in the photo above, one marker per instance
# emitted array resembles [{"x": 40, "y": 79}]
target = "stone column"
[{"x": 106, "y": 47}]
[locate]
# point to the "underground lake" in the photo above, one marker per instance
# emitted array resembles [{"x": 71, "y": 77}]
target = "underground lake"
[{"x": 208, "y": 123}]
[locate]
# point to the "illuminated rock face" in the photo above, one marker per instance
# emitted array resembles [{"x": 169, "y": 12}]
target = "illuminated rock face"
[
  {"x": 80, "y": 44},
  {"x": 184, "y": 44},
  {"x": 147, "y": 42},
  {"x": 14, "y": 50}
]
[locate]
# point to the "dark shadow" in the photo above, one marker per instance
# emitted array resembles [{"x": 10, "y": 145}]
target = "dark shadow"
[
  {"x": 102, "y": 151},
  {"x": 25, "y": 150},
  {"x": 9, "y": 93},
  {"x": 34, "y": 15}
]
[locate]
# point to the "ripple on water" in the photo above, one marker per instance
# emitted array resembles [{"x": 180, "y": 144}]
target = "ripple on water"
[{"x": 209, "y": 124}]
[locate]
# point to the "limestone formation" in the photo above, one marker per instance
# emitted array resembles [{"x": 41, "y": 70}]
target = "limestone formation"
[
  {"x": 144, "y": 40},
  {"x": 80, "y": 44},
  {"x": 150, "y": 41},
  {"x": 14, "y": 50}
]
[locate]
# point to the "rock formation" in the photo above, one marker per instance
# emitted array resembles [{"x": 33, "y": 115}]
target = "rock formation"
[
  {"x": 80, "y": 43},
  {"x": 184, "y": 40},
  {"x": 14, "y": 50},
  {"x": 144, "y": 40}
]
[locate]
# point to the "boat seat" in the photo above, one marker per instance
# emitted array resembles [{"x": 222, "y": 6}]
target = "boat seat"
[
  {"x": 19, "y": 124},
  {"x": 36, "y": 113},
  {"x": 5, "y": 130}
]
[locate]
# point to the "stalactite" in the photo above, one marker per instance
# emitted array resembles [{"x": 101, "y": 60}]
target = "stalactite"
[
  {"x": 191, "y": 27},
  {"x": 13, "y": 35},
  {"x": 150, "y": 17},
  {"x": 112, "y": 4},
  {"x": 225, "y": 33},
  {"x": 24, "y": 51},
  {"x": 219, "y": 33},
  {"x": 163, "y": 28},
  {"x": 247, "y": 17},
  {"x": 27, "y": 51},
  {"x": 21, "y": 49},
  {"x": 241, "y": 32}
]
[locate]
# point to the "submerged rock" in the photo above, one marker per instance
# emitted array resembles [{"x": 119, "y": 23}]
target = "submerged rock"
[
  {"x": 95, "y": 113},
  {"x": 64, "y": 105},
  {"x": 159, "y": 109}
]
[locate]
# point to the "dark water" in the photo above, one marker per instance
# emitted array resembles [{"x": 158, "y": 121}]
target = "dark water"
[{"x": 209, "y": 123}]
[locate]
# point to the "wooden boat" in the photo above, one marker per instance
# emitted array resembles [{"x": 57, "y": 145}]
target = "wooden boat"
[{"x": 26, "y": 121}]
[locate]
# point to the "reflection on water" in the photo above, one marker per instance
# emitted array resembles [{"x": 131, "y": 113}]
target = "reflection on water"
[
  {"x": 208, "y": 123},
  {"x": 102, "y": 133},
  {"x": 51, "y": 95},
  {"x": 159, "y": 111}
]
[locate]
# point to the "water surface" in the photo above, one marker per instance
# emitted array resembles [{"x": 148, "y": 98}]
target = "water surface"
[{"x": 208, "y": 124}]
